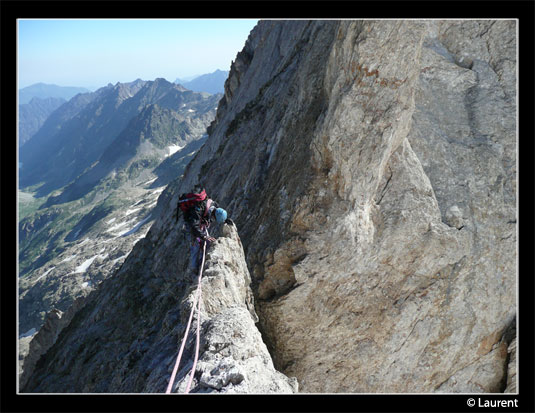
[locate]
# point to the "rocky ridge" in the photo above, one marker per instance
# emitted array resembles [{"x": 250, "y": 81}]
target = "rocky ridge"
[
  {"x": 46, "y": 91},
  {"x": 89, "y": 124},
  {"x": 371, "y": 169},
  {"x": 234, "y": 359},
  {"x": 33, "y": 114},
  {"x": 210, "y": 82},
  {"x": 82, "y": 235}
]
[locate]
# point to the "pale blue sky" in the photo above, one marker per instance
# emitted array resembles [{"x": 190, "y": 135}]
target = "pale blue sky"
[{"x": 94, "y": 52}]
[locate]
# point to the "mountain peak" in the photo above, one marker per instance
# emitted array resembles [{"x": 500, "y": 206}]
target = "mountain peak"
[
  {"x": 210, "y": 82},
  {"x": 45, "y": 90},
  {"x": 161, "y": 80}
]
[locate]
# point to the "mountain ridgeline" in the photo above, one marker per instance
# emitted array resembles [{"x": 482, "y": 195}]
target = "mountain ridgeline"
[
  {"x": 43, "y": 91},
  {"x": 33, "y": 114},
  {"x": 370, "y": 168},
  {"x": 96, "y": 120},
  {"x": 106, "y": 156},
  {"x": 210, "y": 82}
]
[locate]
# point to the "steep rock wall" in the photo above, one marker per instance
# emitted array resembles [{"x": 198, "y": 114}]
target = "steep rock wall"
[
  {"x": 126, "y": 337},
  {"x": 46, "y": 337},
  {"x": 370, "y": 166}
]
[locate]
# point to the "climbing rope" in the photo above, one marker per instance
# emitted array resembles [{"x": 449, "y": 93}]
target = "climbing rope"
[
  {"x": 198, "y": 321},
  {"x": 196, "y": 303}
]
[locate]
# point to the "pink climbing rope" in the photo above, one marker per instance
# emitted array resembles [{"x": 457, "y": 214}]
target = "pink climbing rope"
[
  {"x": 196, "y": 303},
  {"x": 197, "y": 345}
]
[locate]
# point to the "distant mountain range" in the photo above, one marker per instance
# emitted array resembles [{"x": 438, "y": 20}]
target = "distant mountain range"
[
  {"x": 83, "y": 140},
  {"x": 38, "y": 101},
  {"x": 44, "y": 91},
  {"x": 33, "y": 115},
  {"x": 92, "y": 166},
  {"x": 90, "y": 180},
  {"x": 211, "y": 82},
  {"x": 185, "y": 79}
]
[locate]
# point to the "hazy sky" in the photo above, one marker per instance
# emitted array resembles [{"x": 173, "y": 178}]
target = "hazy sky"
[{"x": 94, "y": 52}]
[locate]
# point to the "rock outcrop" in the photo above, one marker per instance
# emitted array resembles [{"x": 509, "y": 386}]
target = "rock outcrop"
[
  {"x": 234, "y": 358},
  {"x": 371, "y": 169},
  {"x": 511, "y": 369},
  {"x": 65, "y": 250},
  {"x": 129, "y": 332},
  {"x": 33, "y": 114},
  {"x": 55, "y": 321}
]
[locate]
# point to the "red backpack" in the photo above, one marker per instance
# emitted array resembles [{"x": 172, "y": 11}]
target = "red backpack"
[{"x": 187, "y": 201}]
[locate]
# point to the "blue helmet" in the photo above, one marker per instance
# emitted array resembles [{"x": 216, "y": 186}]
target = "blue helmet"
[{"x": 220, "y": 215}]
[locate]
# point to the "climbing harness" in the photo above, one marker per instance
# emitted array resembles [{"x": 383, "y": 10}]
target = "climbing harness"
[{"x": 196, "y": 303}]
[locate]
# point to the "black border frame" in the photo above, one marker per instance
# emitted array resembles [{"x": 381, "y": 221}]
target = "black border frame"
[{"x": 524, "y": 11}]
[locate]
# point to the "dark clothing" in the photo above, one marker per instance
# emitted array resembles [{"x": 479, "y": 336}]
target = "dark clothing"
[
  {"x": 194, "y": 260},
  {"x": 197, "y": 221},
  {"x": 199, "y": 211}
]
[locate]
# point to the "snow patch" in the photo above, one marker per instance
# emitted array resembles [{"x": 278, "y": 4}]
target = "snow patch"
[
  {"x": 131, "y": 211},
  {"x": 139, "y": 239},
  {"x": 68, "y": 259},
  {"x": 87, "y": 284},
  {"x": 149, "y": 182},
  {"x": 111, "y": 220},
  {"x": 136, "y": 228},
  {"x": 28, "y": 333},
  {"x": 120, "y": 225},
  {"x": 85, "y": 265},
  {"x": 172, "y": 149},
  {"x": 119, "y": 259},
  {"x": 191, "y": 110},
  {"x": 45, "y": 273}
]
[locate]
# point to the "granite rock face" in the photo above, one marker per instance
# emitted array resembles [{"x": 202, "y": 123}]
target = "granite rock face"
[
  {"x": 511, "y": 369},
  {"x": 90, "y": 226},
  {"x": 47, "y": 335},
  {"x": 233, "y": 359},
  {"x": 126, "y": 336},
  {"x": 371, "y": 169}
]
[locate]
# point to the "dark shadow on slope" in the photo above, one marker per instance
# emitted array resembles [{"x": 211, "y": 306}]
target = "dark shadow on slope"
[
  {"x": 174, "y": 166},
  {"x": 87, "y": 222}
]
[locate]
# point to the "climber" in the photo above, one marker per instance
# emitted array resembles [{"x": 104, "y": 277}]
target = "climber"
[{"x": 199, "y": 211}]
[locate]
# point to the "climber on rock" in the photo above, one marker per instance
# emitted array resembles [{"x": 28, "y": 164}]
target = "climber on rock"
[{"x": 199, "y": 212}]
